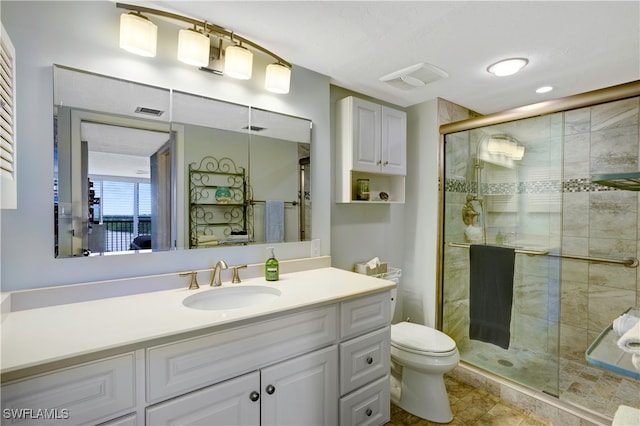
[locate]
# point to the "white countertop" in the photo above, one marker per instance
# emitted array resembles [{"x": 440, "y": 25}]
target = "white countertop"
[{"x": 59, "y": 335}]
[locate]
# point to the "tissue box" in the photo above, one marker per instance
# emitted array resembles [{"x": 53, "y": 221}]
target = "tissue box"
[{"x": 362, "y": 268}]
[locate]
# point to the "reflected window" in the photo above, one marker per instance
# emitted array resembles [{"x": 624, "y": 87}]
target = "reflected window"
[{"x": 120, "y": 215}]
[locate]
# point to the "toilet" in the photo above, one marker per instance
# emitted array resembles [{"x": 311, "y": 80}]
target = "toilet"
[{"x": 420, "y": 356}]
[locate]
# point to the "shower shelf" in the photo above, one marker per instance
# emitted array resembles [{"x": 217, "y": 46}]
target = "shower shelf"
[
  {"x": 627, "y": 181},
  {"x": 604, "y": 352}
]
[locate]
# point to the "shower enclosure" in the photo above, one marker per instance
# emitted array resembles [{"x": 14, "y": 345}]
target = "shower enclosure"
[{"x": 526, "y": 183}]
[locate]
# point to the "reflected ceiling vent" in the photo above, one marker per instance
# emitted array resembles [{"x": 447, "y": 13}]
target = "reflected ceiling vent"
[
  {"x": 149, "y": 111},
  {"x": 415, "y": 76}
]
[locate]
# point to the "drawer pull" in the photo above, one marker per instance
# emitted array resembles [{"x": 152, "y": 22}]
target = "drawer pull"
[
  {"x": 369, "y": 412},
  {"x": 369, "y": 360},
  {"x": 254, "y": 396},
  {"x": 270, "y": 389}
]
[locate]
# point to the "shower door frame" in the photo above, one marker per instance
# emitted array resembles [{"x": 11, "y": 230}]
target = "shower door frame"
[{"x": 609, "y": 94}]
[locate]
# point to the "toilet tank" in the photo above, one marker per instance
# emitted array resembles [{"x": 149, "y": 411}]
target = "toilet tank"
[{"x": 393, "y": 274}]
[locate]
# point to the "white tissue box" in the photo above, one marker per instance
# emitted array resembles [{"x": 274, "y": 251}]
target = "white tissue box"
[{"x": 363, "y": 268}]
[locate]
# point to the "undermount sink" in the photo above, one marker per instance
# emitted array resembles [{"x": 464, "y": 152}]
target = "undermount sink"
[{"x": 225, "y": 298}]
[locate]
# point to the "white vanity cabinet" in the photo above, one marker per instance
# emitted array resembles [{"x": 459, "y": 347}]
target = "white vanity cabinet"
[
  {"x": 298, "y": 391},
  {"x": 365, "y": 360},
  {"x": 233, "y": 402},
  {"x": 325, "y": 364},
  {"x": 90, "y": 393},
  {"x": 371, "y": 144}
]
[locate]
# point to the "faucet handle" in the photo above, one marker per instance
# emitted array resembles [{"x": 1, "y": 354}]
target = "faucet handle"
[
  {"x": 193, "y": 279},
  {"x": 235, "y": 274}
]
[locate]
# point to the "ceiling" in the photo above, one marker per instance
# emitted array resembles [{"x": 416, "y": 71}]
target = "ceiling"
[{"x": 575, "y": 46}]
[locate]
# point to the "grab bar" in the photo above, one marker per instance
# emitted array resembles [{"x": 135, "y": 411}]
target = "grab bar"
[
  {"x": 630, "y": 262},
  {"x": 519, "y": 251}
]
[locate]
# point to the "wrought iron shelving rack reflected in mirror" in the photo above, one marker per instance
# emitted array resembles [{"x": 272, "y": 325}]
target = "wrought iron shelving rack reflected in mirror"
[{"x": 213, "y": 222}]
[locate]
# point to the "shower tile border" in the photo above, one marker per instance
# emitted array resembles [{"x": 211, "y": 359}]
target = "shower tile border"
[{"x": 533, "y": 187}]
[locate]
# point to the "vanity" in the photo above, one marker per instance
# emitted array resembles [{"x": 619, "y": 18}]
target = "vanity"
[{"x": 315, "y": 350}]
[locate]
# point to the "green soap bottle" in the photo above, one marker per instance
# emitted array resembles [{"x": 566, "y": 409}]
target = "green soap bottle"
[{"x": 272, "y": 267}]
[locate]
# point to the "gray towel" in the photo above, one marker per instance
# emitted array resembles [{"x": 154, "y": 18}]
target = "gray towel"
[
  {"x": 491, "y": 293},
  {"x": 274, "y": 221}
]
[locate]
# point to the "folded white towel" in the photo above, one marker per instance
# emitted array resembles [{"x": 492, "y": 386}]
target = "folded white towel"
[
  {"x": 630, "y": 341},
  {"x": 624, "y": 323},
  {"x": 626, "y": 416}
]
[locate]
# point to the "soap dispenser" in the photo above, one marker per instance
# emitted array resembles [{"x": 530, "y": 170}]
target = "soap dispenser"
[{"x": 272, "y": 267}]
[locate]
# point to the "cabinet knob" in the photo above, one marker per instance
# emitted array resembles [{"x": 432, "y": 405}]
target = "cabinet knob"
[
  {"x": 386, "y": 163},
  {"x": 379, "y": 162},
  {"x": 270, "y": 389},
  {"x": 254, "y": 396},
  {"x": 369, "y": 360},
  {"x": 369, "y": 412}
]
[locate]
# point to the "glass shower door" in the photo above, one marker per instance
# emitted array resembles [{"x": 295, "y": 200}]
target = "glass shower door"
[{"x": 503, "y": 187}]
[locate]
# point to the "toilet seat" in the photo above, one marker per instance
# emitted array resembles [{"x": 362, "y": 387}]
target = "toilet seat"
[{"x": 422, "y": 340}]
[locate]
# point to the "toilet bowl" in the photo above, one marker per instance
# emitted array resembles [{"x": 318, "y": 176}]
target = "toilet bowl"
[{"x": 424, "y": 355}]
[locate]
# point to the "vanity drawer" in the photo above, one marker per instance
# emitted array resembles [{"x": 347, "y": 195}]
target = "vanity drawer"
[
  {"x": 364, "y": 314},
  {"x": 180, "y": 367},
  {"x": 364, "y": 359},
  {"x": 86, "y": 394},
  {"x": 368, "y": 406}
]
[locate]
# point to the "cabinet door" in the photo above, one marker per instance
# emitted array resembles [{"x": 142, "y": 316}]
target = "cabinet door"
[
  {"x": 302, "y": 391},
  {"x": 87, "y": 394},
  {"x": 234, "y": 402},
  {"x": 366, "y": 136},
  {"x": 394, "y": 141}
]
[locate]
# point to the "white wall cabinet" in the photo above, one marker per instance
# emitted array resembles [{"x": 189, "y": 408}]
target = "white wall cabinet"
[{"x": 371, "y": 143}]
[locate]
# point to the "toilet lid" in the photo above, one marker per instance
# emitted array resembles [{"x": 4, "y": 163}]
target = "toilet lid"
[{"x": 421, "y": 338}]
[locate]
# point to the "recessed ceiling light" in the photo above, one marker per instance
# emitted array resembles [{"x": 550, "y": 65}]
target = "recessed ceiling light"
[
  {"x": 544, "y": 89},
  {"x": 507, "y": 66}
]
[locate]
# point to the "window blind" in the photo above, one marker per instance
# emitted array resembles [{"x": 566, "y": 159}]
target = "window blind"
[{"x": 8, "y": 194}]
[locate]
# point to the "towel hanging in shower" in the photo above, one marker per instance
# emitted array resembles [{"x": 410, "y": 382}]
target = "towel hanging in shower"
[{"x": 491, "y": 293}]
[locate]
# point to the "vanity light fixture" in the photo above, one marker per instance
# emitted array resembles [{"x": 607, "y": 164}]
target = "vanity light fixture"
[
  {"x": 507, "y": 66},
  {"x": 193, "y": 47},
  {"x": 138, "y": 34},
  {"x": 193, "y": 43}
]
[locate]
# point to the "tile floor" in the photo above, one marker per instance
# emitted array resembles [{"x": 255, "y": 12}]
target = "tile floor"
[
  {"x": 472, "y": 407},
  {"x": 596, "y": 388}
]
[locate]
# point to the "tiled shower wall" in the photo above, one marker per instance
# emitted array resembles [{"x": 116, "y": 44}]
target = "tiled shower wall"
[{"x": 597, "y": 221}]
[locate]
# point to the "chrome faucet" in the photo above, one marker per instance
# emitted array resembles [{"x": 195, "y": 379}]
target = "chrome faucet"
[{"x": 215, "y": 273}]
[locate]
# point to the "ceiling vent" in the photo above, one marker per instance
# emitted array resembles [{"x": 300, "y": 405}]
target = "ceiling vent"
[
  {"x": 415, "y": 76},
  {"x": 149, "y": 111}
]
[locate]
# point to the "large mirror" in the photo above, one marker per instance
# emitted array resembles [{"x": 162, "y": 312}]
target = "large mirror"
[{"x": 141, "y": 168}]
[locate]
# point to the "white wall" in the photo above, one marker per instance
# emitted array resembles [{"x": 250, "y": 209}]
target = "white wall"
[
  {"x": 418, "y": 288},
  {"x": 84, "y": 35}
]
